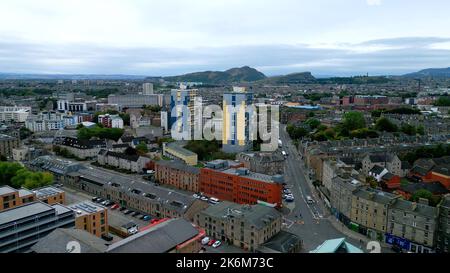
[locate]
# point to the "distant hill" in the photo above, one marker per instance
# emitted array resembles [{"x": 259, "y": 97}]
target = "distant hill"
[
  {"x": 430, "y": 73},
  {"x": 303, "y": 77},
  {"x": 234, "y": 75}
]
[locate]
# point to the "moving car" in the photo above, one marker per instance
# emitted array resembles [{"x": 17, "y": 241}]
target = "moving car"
[{"x": 217, "y": 244}]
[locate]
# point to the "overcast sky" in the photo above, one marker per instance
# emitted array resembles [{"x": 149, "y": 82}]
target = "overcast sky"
[{"x": 167, "y": 37}]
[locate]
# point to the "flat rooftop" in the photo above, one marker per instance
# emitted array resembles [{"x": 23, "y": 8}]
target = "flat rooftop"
[
  {"x": 27, "y": 210},
  {"x": 86, "y": 208},
  {"x": 6, "y": 190},
  {"x": 47, "y": 191},
  {"x": 249, "y": 174}
]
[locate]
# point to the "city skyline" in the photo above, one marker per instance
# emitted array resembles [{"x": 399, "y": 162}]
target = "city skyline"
[{"x": 160, "y": 39}]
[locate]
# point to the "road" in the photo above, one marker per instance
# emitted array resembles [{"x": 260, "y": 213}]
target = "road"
[{"x": 309, "y": 221}]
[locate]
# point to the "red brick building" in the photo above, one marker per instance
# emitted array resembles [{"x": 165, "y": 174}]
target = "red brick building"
[
  {"x": 178, "y": 175},
  {"x": 220, "y": 180}
]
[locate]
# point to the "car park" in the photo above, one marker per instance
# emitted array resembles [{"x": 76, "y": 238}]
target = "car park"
[{"x": 216, "y": 244}]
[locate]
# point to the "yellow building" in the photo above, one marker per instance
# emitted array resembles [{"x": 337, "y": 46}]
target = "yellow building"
[{"x": 172, "y": 150}]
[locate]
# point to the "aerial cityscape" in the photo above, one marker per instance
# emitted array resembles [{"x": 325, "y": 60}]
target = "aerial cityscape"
[{"x": 246, "y": 135}]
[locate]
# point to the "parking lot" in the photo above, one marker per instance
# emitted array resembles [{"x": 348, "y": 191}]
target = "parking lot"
[{"x": 116, "y": 217}]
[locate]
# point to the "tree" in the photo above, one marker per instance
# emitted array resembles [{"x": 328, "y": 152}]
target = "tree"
[
  {"x": 425, "y": 194},
  {"x": 353, "y": 121},
  {"x": 31, "y": 180},
  {"x": 408, "y": 129},
  {"x": 142, "y": 148},
  {"x": 384, "y": 124},
  {"x": 420, "y": 130},
  {"x": 313, "y": 123},
  {"x": 7, "y": 171},
  {"x": 443, "y": 101}
]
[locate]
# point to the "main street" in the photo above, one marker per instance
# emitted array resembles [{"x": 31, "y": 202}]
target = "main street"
[{"x": 310, "y": 222}]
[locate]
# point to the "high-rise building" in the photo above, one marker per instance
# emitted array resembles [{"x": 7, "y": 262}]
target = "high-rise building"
[
  {"x": 236, "y": 120},
  {"x": 147, "y": 88},
  {"x": 181, "y": 103}
]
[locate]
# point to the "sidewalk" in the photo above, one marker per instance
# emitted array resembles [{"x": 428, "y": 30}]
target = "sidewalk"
[{"x": 352, "y": 234}]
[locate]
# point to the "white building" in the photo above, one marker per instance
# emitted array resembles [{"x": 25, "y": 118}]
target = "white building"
[
  {"x": 147, "y": 89},
  {"x": 135, "y": 100},
  {"x": 48, "y": 121},
  {"x": 14, "y": 113}
]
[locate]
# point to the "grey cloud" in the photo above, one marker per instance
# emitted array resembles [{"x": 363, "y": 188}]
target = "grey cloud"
[{"x": 414, "y": 54}]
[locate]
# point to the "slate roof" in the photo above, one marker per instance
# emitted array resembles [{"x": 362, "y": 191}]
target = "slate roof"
[
  {"x": 178, "y": 165},
  {"x": 57, "y": 240},
  {"x": 254, "y": 215},
  {"x": 433, "y": 187},
  {"x": 158, "y": 239},
  {"x": 282, "y": 242},
  {"x": 416, "y": 208},
  {"x": 377, "y": 170}
]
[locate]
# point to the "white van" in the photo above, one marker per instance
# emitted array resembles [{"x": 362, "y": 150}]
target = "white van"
[
  {"x": 213, "y": 200},
  {"x": 284, "y": 153},
  {"x": 205, "y": 241},
  {"x": 309, "y": 200}
]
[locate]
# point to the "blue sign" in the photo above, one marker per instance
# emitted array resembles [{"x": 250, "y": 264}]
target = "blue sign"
[{"x": 401, "y": 242}]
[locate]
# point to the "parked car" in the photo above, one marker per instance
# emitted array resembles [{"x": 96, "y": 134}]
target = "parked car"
[
  {"x": 109, "y": 203},
  {"x": 211, "y": 242},
  {"x": 289, "y": 198},
  {"x": 204, "y": 198},
  {"x": 146, "y": 218},
  {"x": 287, "y": 191},
  {"x": 135, "y": 214},
  {"x": 104, "y": 202},
  {"x": 100, "y": 200},
  {"x": 107, "y": 237},
  {"x": 153, "y": 221},
  {"x": 95, "y": 199},
  {"x": 126, "y": 211},
  {"x": 217, "y": 244},
  {"x": 196, "y": 196},
  {"x": 205, "y": 241},
  {"x": 309, "y": 200},
  {"x": 115, "y": 206},
  {"x": 122, "y": 208}
]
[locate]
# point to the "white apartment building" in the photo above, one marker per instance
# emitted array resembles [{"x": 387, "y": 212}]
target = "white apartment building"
[{"x": 14, "y": 113}]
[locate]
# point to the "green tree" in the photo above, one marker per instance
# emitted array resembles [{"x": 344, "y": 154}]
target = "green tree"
[
  {"x": 7, "y": 171},
  {"x": 31, "y": 180},
  {"x": 433, "y": 200},
  {"x": 384, "y": 124},
  {"x": 313, "y": 123},
  {"x": 420, "y": 130},
  {"x": 353, "y": 121},
  {"x": 408, "y": 129},
  {"x": 443, "y": 101},
  {"x": 142, "y": 148}
]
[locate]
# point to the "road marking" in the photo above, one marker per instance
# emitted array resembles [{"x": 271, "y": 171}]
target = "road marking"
[{"x": 288, "y": 223}]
